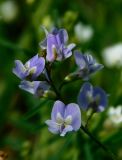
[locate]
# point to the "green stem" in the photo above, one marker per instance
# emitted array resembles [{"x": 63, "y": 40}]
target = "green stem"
[
  {"x": 89, "y": 118},
  {"x": 113, "y": 157},
  {"x": 52, "y": 84}
]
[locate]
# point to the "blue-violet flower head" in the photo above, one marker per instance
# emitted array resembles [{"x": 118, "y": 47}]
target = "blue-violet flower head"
[
  {"x": 86, "y": 64},
  {"x": 55, "y": 45},
  {"x": 64, "y": 118},
  {"x": 37, "y": 88},
  {"x": 33, "y": 68},
  {"x": 92, "y": 97}
]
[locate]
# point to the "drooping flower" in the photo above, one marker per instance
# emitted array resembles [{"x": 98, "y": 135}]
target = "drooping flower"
[
  {"x": 37, "y": 88},
  {"x": 86, "y": 64},
  {"x": 55, "y": 45},
  {"x": 64, "y": 118},
  {"x": 92, "y": 97},
  {"x": 32, "y": 68}
]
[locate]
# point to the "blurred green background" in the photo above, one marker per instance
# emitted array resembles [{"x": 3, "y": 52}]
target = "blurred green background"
[{"x": 96, "y": 27}]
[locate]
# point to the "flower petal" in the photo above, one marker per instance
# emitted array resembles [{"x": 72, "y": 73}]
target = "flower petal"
[
  {"x": 53, "y": 127},
  {"x": 95, "y": 68},
  {"x": 89, "y": 59},
  {"x": 68, "y": 50},
  {"x": 80, "y": 61},
  {"x": 40, "y": 64},
  {"x": 62, "y": 36},
  {"x": 55, "y": 44},
  {"x": 58, "y": 107},
  {"x": 51, "y": 46},
  {"x": 73, "y": 110},
  {"x": 102, "y": 98},
  {"x": 68, "y": 128},
  {"x": 32, "y": 62},
  {"x": 19, "y": 70},
  {"x": 83, "y": 95},
  {"x": 30, "y": 87}
]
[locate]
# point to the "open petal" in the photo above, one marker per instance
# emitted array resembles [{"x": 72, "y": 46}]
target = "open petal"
[
  {"x": 68, "y": 128},
  {"x": 40, "y": 64},
  {"x": 102, "y": 98},
  {"x": 71, "y": 46},
  {"x": 38, "y": 61},
  {"x": 51, "y": 47},
  {"x": 68, "y": 50},
  {"x": 52, "y": 126},
  {"x": 30, "y": 87},
  {"x": 19, "y": 70},
  {"x": 73, "y": 110},
  {"x": 80, "y": 61},
  {"x": 95, "y": 68},
  {"x": 89, "y": 59},
  {"x": 58, "y": 107},
  {"x": 83, "y": 95},
  {"x": 62, "y": 36},
  {"x": 32, "y": 62}
]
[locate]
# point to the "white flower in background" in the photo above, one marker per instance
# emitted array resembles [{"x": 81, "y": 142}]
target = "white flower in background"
[
  {"x": 8, "y": 10},
  {"x": 115, "y": 115},
  {"x": 112, "y": 55},
  {"x": 83, "y": 32}
]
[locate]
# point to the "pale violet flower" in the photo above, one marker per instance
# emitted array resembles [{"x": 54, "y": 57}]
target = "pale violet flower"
[
  {"x": 92, "y": 97},
  {"x": 37, "y": 88},
  {"x": 64, "y": 118},
  {"x": 56, "y": 46},
  {"x": 87, "y": 65},
  {"x": 32, "y": 68},
  {"x": 112, "y": 55}
]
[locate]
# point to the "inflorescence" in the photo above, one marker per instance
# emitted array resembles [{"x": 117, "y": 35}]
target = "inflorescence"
[{"x": 64, "y": 118}]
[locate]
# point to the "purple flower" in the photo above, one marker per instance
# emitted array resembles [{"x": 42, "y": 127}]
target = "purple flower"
[
  {"x": 64, "y": 118},
  {"x": 92, "y": 97},
  {"x": 33, "y": 67},
  {"x": 87, "y": 65},
  {"x": 37, "y": 88},
  {"x": 55, "y": 44}
]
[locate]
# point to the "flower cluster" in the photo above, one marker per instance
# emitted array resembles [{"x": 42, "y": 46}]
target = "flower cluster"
[{"x": 64, "y": 118}]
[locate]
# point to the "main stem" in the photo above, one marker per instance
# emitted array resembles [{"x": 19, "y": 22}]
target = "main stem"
[
  {"x": 89, "y": 118},
  {"x": 113, "y": 157}
]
